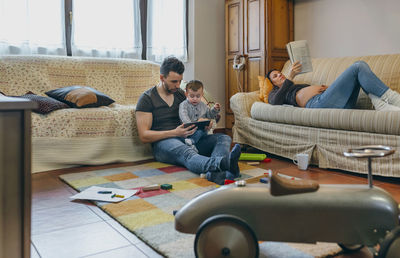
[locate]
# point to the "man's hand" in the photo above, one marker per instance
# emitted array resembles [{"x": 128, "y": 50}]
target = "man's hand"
[
  {"x": 181, "y": 131},
  {"x": 146, "y": 135},
  {"x": 294, "y": 70}
]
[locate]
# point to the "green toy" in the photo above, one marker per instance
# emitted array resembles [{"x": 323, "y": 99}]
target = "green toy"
[
  {"x": 252, "y": 156},
  {"x": 166, "y": 186}
]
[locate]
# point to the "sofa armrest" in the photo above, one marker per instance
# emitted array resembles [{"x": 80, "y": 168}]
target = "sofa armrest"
[{"x": 241, "y": 103}]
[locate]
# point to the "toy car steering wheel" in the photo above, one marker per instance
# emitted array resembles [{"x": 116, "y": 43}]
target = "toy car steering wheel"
[{"x": 369, "y": 151}]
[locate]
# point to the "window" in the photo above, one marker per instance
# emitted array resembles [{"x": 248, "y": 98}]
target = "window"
[
  {"x": 166, "y": 29},
  {"x": 111, "y": 29},
  {"x": 32, "y": 27},
  {"x": 151, "y": 29}
]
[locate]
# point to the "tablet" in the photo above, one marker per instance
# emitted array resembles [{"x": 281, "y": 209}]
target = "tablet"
[{"x": 200, "y": 125}]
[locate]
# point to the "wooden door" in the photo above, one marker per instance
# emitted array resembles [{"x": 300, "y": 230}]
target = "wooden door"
[
  {"x": 257, "y": 30},
  {"x": 254, "y": 43},
  {"x": 279, "y": 32},
  {"x": 234, "y": 79}
]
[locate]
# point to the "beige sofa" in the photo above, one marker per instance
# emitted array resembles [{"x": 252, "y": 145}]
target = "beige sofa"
[
  {"x": 324, "y": 133},
  {"x": 87, "y": 136}
]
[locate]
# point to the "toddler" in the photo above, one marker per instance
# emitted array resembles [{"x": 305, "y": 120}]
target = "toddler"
[{"x": 193, "y": 110}]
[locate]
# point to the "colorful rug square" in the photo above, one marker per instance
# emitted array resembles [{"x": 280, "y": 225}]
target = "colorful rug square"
[{"x": 149, "y": 214}]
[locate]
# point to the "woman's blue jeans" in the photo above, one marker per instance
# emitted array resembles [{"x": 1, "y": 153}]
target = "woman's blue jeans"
[
  {"x": 343, "y": 92},
  {"x": 212, "y": 149}
]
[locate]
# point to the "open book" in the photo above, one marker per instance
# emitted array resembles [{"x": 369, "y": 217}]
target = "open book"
[{"x": 299, "y": 51}]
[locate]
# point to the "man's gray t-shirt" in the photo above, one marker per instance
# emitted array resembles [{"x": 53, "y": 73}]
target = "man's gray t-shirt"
[{"x": 164, "y": 117}]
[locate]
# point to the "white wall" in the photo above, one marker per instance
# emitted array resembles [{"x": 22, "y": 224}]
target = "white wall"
[
  {"x": 206, "y": 61},
  {"x": 337, "y": 28}
]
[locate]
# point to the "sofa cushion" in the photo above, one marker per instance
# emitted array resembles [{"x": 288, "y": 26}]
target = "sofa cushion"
[
  {"x": 370, "y": 121},
  {"x": 45, "y": 104},
  {"x": 106, "y": 121},
  {"x": 80, "y": 96}
]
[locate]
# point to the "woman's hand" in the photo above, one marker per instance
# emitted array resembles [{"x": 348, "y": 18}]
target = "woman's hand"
[
  {"x": 305, "y": 94},
  {"x": 294, "y": 70},
  {"x": 322, "y": 88},
  {"x": 181, "y": 131}
]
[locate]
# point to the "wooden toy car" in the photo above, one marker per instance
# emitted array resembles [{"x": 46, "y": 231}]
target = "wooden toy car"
[{"x": 229, "y": 221}]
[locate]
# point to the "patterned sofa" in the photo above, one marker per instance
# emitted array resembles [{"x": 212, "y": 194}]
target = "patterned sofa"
[
  {"x": 324, "y": 133},
  {"x": 87, "y": 136}
]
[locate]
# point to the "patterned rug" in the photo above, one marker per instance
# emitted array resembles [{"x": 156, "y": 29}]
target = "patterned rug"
[{"x": 149, "y": 215}]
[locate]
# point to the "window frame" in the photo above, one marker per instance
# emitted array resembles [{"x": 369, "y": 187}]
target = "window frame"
[{"x": 143, "y": 24}]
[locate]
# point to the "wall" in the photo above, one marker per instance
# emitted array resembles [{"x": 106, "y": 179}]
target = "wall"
[
  {"x": 348, "y": 27},
  {"x": 206, "y": 61}
]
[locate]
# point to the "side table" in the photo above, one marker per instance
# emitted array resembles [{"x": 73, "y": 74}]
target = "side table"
[{"x": 15, "y": 176}]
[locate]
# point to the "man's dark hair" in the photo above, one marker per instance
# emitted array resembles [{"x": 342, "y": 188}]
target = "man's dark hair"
[
  {"x": 173, "y": 64},
  {"x": 194, "y": 85},
  {"x": 270, "y": 71}
]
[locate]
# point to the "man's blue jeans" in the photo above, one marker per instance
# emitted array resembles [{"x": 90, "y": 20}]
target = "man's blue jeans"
[
  {"x": 343, "y": 92},
  {"x": 212, "y": 149}
]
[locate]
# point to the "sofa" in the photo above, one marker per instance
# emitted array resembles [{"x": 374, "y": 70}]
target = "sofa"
[
  {"x": 324, "y": 133},
  {"x": 70, "y": 137}
]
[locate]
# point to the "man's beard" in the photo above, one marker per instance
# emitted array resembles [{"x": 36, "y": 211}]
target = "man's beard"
[{"x": 167, "y": 89}]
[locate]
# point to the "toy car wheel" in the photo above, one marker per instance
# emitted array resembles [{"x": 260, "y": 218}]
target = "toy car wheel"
[
  {"x": 225, "y": 236},
  {"x": 351, "y": 248},
  {"x": 390, "y": 246}
]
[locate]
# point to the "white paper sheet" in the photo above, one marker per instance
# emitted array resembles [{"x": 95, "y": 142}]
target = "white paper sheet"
[{"x": 92, "y": 193}]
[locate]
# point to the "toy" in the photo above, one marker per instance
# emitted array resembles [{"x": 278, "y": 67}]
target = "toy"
[
  {"x": 228, "y": 181},
  {"x": 151, "y": 187},
  {"x": 230, "y": 220},
  {"x": 166, "y": 186},
  {"x": 252, "y": 156},
  {"x": 254, "y": 163}
]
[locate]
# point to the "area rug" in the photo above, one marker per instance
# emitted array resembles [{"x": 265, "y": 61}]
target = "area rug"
[{"x": 149, "y": 215}]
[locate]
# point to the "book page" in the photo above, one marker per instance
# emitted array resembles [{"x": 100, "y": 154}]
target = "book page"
[
  {"x": 289, "y": 50},
  {"x": 299, "y": 51},
  {"x": 104, "y": 194}
]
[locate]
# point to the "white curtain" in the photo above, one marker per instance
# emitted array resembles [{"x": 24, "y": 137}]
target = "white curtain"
[
  {"x": 106, "y": 28},
  {"x": 166, "y": 29},
  {"x": 32, "y": 27}
]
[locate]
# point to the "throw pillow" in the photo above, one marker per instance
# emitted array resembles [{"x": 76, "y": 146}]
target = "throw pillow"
[
  {"x": 45, "y": 104},
  {"x": 261, "y": 85},
  {"x": 80, "y": 96},
  {"x": 265, "y": 88}
]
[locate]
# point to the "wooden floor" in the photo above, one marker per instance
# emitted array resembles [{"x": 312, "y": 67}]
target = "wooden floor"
[{"x": 65, "y": 228}]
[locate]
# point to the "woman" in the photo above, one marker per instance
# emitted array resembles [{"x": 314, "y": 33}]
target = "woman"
[{"x": 343, "y": 92}]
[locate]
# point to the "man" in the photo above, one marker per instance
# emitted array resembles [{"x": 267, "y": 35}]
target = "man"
[{"x": 157, "y": 116}]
